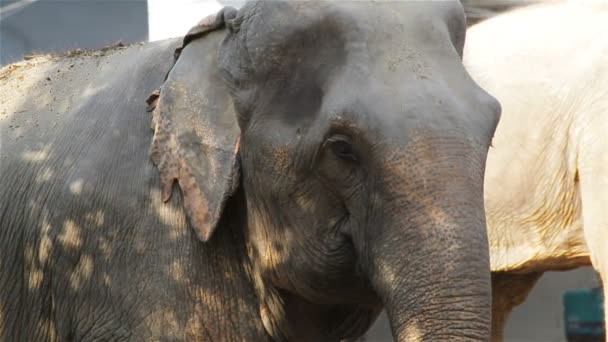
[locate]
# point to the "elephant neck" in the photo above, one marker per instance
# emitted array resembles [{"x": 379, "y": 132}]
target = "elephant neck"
[
  {"x": 225, "y": 303},
  {"x": 289, "y": 317}
]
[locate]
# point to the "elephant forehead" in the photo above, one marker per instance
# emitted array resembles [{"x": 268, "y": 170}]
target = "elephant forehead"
[{"x": 278, "y": 28}]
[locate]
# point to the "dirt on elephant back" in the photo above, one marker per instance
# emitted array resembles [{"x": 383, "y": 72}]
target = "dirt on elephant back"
[
  {"x": 31, "y": 91},
  {"x": 32, "y": 60}
]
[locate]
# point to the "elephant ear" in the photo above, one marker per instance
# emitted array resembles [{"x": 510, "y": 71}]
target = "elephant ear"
[{"x": 196, "y": 135}]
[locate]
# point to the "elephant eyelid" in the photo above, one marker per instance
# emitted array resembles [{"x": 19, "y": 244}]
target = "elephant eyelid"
[{"x": 342, "y": 147}]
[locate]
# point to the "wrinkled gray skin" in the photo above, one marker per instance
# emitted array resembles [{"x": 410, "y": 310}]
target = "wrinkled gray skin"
[{"x": 357, "y": 183}]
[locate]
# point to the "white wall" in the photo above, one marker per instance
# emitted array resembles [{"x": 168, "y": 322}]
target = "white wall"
[
  {"x": 43, "y": 26},
  {"x": 168, "y": 19}
]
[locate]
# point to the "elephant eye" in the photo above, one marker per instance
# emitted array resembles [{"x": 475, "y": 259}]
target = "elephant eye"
[{"x": 342, "y": 148}]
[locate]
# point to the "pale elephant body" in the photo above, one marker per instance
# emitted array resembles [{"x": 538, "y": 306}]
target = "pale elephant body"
[
  {"x": 546, "y": 188},
  {"x": 329, "y": 159}
]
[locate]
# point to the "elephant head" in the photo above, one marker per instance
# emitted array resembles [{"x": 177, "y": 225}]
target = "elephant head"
[{"x": 358, "y": 141}]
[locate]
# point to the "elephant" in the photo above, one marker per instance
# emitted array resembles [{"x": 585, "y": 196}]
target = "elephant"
[
  {"x": 305, "y": 165},
  {"x": 546, "y": 181},
  {"x": 479, "y": 10}
]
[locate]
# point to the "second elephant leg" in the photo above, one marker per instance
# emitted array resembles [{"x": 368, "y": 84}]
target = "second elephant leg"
[{"x": 508, "y": 291}]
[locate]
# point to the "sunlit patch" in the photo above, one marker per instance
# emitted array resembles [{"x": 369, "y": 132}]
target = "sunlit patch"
[
  {"x": 36, "y": 155},
  {"x": 412, "y": 332},
  {"x": 164, "y": 322},
  {"x": 388, "y": 274},
  {"x": 105, "y": 247},
  {"x": 170, "y": 319},
  {"x": 89, "y": 91},
  {"x": 44, "y": 175},
  {"x": 82, "y": 273},
  {"x": 29, "y": 255},
  {"x": 46, "y": 246},
  {"x": 270, "y": 245},
  {"x": 177, "y": 272},
  {"x": 47, "y": 325},
  {"x": 70, "y": 236},
  {"x": 34, "y": 272},
  {"x": 170, "y": 216},
  {"x": 438, "y": 216},
  {"x": 195, "y": 326},
  {"x": 97, "y": 218},
  {"x": 35, "y": 279},
  {"x": 107, "y": 280},
  {"x": 76, "y": 186}
]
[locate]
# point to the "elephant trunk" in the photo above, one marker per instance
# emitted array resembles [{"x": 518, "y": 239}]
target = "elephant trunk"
[
  {"x": 431, "y": 268},
  {"x": 435, "y": 293}
]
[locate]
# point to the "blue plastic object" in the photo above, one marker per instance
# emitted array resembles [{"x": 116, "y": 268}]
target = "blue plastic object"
[{"x": 584, "y": 314}]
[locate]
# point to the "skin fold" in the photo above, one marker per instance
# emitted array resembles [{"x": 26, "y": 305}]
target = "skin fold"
[
  {"x": 301, "y": 166},
  {"x": 546, "y": 190}
]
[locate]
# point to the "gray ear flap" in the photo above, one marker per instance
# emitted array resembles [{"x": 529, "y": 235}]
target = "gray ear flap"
[{"x": 196, "y": 135}]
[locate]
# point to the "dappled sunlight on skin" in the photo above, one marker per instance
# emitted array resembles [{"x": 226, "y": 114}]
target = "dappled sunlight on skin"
[
  {"x": 96, "y": 218},
  {"x": 71, "y": 235},
  {"x": 32, "y": 266},
  {"x": 389, "y": 273},
  {"x": 48, "y": 325},
  {"x": 107, "y": 280},
  {"x": 37, "y": 155},
  {"x": 165, "y": 319},
  {"x": 45, "y": 175},
  {"x": 177, "y": 271},
  {"x": 431, "y": 218},
  {"x": 125, "y": 261},
  {"x": 92, "y": 91},
  {"x": 46, "y": 242},
  {"x": 437, "y": 178},
  {"x": 412, "y": 333},
  {"x": 37, "y": 261},
  {"x": 103, "y": 249},
  {"x": 269, "y": 257},
  {"x": 76, "y": 186},
  {"x": 82, "y": 272},
  {"x": 170, "y": 216}
]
